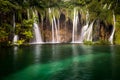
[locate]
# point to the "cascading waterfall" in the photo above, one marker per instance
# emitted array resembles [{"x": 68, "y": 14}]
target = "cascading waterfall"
[
  {"x": 55, "y": 26},
  {"x": 15, "y": 38},
  {"x": 86, "y": 33},
  {"x": 53, "y": 32},
  {"x": 83, "y": 33},
  {"x": 37, "y": 33},
  {"x": 89, "y": 32},
  {"x": 84, "y": 30},
  {"x": 75, "y": 22},
  {"x": 113, "y": 32}
]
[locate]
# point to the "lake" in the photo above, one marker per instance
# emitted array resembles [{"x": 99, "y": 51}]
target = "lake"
[{"x": 60, "y": 62}]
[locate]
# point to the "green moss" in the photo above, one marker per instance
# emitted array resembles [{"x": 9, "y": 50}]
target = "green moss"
[
  {"x": 117, "y": 32},
  {"x": 88, "y": 42},
  {"x": 102, "y": 42}
]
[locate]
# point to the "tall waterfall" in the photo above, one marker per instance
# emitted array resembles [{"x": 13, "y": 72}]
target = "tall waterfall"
[
  {"x": 75, "y": 22},
  {"x": 113, "y": 32},
  {"x": 37, "y": 33},
  {"x": 53, "y": 32},
  {"x": 55, "y": 27},
  {"x": 15, "y": 37}
]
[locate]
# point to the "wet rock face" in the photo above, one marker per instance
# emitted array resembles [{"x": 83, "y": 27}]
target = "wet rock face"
[
  {"x": 101, "y": 30},
  {"x": 64, "y": 35}
]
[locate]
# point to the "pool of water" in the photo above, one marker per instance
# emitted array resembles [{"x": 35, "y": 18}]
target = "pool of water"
[{"x": 60, "y": 62}]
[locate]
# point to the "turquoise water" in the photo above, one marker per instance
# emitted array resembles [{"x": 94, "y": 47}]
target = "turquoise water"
[{"x": 60, "y": 62}]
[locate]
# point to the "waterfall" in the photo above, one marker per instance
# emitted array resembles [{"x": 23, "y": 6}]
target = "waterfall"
[
  {"x": 75, "y": 22},
  {"x": 89, "y": 32},
  {"x": 55, "y": 26},
  {"x": 86, "y": 33},
  {"x": 37, "y": 33},
  {"x": 113, "y": 32},
  {"x": 85, "y": 30},
  {"x": 15, "y": 37},
  {"x": 56, "y": 30},
  {"x": 53, "y": 37}
]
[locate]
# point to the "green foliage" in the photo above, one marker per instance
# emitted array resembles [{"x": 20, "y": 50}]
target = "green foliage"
[
  {"x": 26, "y": 29},
  {"x": 20, "y": 42},
  {"x": 28, "y": 23},
  {"x": 102, "y": 42},
  {"x": 28, "y": 34},
  {"x": 3, "y": 33},
  {"x": 117, "y": 32},
  {"x": 7, "y": 6},
  {"x": 88, "y": 42}
]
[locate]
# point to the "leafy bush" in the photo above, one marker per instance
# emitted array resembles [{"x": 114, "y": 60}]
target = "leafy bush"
[
  {"x": 88, "y": 42},
  {"x": 102, "y": 42}
]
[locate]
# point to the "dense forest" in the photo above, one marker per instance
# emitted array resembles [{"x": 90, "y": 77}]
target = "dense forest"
[{"x": 14, "y": 17}]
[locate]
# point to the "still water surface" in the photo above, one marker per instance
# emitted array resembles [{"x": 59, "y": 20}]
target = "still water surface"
[{"x": 60, "y": 62}]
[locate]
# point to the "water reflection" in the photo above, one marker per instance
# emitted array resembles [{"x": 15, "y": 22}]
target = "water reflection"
[
  {"x": 55, "y": 52},
  {"x": 37, "y": 53},
  {"x": 82, "y": 70},
  {"x": 64, "y": 62},
  {"x": 15, "y": 52},
  {"x": 115, "y": 62},
  {"x": 75, "y": 64}
]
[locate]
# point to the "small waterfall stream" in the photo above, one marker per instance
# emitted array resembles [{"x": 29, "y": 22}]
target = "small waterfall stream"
[
  {"x": 89, "y": 32},
  {"x": 53, "y": 32},
  {"x": 83, "y": 33},
  {"x": 55, "y": 26},
  {"x": 37, "y": 33},
  {"x": 75, "y": 22},
  {"x": 56, "y": 29},
  {"x": 58, "y": 36},
  {"x": 86, "y": 30},
  {"x": 15, "y": 37},
  {"x": 113, "y": 32}
]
